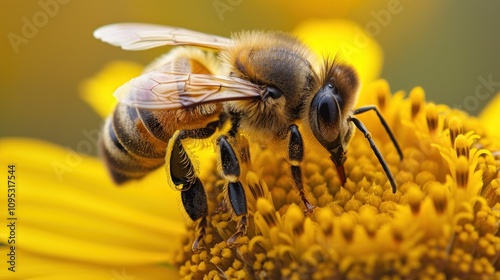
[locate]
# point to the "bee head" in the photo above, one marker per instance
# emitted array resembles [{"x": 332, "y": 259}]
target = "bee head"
[{"x": 330, "y": 109}]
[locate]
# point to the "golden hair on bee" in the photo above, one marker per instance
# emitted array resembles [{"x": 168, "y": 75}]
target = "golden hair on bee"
[
  {"x": 186, "y": 59},
  {"x": 282, "y": 63},
  {"x": 134, "y": 139},
  {"x": 264, "y": 84},
  {"x": 345, "y": 78}
]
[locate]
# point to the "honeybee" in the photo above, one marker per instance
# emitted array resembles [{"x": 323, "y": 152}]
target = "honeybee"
[{"x": 263, "y": 84}]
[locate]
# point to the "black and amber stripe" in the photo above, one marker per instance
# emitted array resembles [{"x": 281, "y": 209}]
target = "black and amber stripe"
[
  {"x": 134, "y": 141},
  {"x": 127, "y": 146}
]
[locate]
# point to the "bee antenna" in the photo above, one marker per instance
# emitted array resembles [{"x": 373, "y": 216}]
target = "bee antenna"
[
  {"x": 328, "y": 67},
  {"x": 359, "y": 125},
  {"x": 384, "y": 124}
]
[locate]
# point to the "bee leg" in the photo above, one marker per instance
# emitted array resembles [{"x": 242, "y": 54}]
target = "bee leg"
[
  {"x": 241, "y": 229},
  {"x": 193, "y": 196},
  {"x": 201, "y": 228},
  {"x": 195, "y": 202},
  {"x": 222, "y": 207},
  {"x": 244, "y": 148},
  {"x": 243, "y": 145},
  {"x": 183, "y": 175},
  {"x": 295, "y": 157},
  {"x": 235, "y": 192}
]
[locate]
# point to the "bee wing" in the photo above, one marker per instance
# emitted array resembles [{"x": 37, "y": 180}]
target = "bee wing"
[
  {"x": 141, "y": 36},
  {"x": 158, "y": 90}
]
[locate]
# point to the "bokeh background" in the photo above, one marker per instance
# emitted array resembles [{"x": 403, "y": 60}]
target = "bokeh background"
[{"x": 444, "y": 46}]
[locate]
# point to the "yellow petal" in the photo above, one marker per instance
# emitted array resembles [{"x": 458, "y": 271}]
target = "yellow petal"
[
  {"x": 68, "y": 208},
  {"x": 34, "y": 266},
  {"x": 490, "y": 117},
  {"x": 345, "y": 40},
  {"x": 98, "y": 90}
]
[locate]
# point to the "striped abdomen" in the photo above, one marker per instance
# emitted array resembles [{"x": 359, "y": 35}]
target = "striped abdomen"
[{"x": 134, "y": 141}]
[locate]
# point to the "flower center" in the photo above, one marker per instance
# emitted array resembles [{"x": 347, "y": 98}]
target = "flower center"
[{"x": 443, "y": 220}]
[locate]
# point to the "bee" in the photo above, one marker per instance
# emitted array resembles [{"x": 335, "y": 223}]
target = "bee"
[{"x": 262, "y": 84}]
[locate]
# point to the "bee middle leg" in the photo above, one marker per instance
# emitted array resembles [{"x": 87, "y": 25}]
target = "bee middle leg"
[
  {"x": 235, "y": 192},
  {"x": 295, "y": 157}
]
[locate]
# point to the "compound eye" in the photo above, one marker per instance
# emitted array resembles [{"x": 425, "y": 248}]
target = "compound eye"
[
  {"x": 333, "y": 90},
  {"x": 328, "y": 116},
  {"x": 273, "y": 92},
  {"x": 325, "y": 115}
]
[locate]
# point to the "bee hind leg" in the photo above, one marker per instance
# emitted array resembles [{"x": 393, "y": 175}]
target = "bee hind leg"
[
  {"x": 295, "y": 157},
  {"x": 194, "y": 201},
  {"x": 183, "y": 175},
  {"x": 235, "y": 191}
]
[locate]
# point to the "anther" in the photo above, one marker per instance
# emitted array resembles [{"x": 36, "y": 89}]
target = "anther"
[
  {"x": 456, "y": 128},
  {"x": 432, "y": 117},
  {"x": 462, "y": 172},
  {"x": 417, "y": 98}
]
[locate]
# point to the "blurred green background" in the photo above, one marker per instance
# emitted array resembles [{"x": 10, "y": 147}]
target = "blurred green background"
[{"x": 443, "y": 46}]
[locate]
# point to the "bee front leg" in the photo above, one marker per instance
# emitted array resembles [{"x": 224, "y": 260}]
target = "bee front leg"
[
  {"x": 235, "y": 192},
  {"x": 295, "y": 157}
]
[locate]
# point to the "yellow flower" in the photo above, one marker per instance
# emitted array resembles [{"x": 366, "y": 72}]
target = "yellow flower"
[
  {"x": 74, "y": 223},
  {"x": 346, "y": 41},
  {"x": 443, "y": 221},
  {"x": 96, "y": 91}
]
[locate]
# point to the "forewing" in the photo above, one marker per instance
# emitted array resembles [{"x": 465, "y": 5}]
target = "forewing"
[
  {"x": 169, "y": 91},
  {"x": 141, "y": 36}
]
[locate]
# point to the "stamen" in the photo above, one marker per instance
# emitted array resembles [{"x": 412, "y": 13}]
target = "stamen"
[
  {"x": 414, "y": 198},
  {"x": 295, "y": 220},
  {"x": 383, "y": 92},
  {"x": 462, "y": 146},
  {"x": 439, "y": 196},
  {"x": 417, "y": 99},
  {"x": 462, "y": 172},
  {"x": 492, "y": 192},
  {"x": 324, "y": 217},
  {"x": 347, "y": 227},
  {"x": 456, "y": 128},
  {"x": 432, "y": 117},
  {"x": 266, "y": 210},
  {"x": 366, "y": 219}
]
